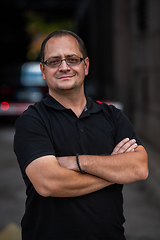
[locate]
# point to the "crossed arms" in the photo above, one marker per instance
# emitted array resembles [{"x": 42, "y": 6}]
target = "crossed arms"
[{"x": 60, "y": 177}]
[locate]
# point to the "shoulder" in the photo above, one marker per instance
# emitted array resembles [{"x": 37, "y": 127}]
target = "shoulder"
[
  {"x": 33, "y": 109},
  {"x": 116, "y": 116},
  {"x": 35, "y": 112},
  {"x": 116, "y": 113},
  {"x": 109, "y": 109}
]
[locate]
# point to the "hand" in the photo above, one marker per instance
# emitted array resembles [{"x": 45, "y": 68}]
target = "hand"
[{"x": 124, "y": 146}]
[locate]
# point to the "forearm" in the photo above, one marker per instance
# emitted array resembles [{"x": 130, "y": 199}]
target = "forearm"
[
  {"x": 127, "y": 163},
  {"x": 74, "y": 184},
  {"x": 121, "y": 168},
  {"x": 50, "y": 179}
]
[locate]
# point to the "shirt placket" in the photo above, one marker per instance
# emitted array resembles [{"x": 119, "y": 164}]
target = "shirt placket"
[{"x": 82, "y": 136}]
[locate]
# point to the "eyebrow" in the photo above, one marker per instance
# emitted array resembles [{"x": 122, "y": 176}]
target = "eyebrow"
[{"x": 68, "y": 55}]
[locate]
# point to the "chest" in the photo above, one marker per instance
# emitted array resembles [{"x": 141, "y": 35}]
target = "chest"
[{"x": 93, "y": 135}]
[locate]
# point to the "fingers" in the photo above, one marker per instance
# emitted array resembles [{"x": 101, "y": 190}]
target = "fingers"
[
  {"x": 125, "y": 145},
  {"x": 119, "y": 146},
  {"x": 133, "y": 146}
]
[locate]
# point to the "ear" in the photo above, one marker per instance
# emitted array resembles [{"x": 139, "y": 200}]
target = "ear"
[
  {"x": 86, "y": 66},
  {"x": 43, "y": 71}
]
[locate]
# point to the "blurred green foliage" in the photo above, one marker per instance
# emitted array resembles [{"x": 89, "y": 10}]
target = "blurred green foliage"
[{"x": 37, "y": 26}]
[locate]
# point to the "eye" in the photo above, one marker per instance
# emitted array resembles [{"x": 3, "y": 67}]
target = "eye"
[
  {"x": 73, "y": 60},
  {"x": 54, "y": 62}
]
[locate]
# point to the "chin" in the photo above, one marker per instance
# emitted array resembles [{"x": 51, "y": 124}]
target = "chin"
[
  {"x": 66, "y": 89},
  {"x": 66, "y": 86}
]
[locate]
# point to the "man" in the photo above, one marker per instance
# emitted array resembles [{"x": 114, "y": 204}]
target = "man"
[{"x": 75, "y": 154}]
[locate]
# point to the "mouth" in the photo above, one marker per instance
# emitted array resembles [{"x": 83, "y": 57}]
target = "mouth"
[{"x": 66, "y": 77}]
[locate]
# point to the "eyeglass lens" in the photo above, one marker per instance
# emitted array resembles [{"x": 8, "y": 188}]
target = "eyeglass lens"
[{"x": 54, "y": 62}]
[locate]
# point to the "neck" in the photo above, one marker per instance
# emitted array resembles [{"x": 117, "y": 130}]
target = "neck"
[{"x": 71, "y": 100}]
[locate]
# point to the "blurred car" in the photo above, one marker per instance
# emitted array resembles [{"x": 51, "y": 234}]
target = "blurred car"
[{"x": 17, "y": 95}]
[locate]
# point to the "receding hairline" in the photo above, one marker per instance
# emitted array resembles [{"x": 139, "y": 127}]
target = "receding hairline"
[{"x": 65, "y": 35}]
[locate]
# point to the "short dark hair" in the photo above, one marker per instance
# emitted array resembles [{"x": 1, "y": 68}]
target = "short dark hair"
[{"x": 61, "y": 33}]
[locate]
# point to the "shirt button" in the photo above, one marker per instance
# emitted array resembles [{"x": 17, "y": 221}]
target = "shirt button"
[{"x": 81, "y": 130}]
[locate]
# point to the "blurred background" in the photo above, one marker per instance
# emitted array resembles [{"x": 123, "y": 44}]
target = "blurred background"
[{"x": 123, "y": 42}]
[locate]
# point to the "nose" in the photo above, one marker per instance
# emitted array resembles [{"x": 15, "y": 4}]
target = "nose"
[{"x": 64, "y": 66}]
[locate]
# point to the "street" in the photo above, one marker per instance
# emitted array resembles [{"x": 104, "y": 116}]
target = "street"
[
  {"x": 12, "y": 188},
  {"x": 141, "y": 199}
]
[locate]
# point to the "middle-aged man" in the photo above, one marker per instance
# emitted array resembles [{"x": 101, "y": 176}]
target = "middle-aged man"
[{"x": 75, "y": 154}]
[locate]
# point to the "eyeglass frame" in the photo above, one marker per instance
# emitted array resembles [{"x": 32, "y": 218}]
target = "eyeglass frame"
[{"x": 65, "y": 59}]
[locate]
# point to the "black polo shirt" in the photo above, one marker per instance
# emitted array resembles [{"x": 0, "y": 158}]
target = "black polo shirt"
[{"x": 48, "y": 128}]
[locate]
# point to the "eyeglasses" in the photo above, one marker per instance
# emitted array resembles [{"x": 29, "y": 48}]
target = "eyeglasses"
[{"x": 71, "y": 61}]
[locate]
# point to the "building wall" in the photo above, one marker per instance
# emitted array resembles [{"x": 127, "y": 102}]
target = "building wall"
[
  {"x": 122, "y": 54},
  {"x": 146, "y": 68},
  {"x": 137, "y": 64}
]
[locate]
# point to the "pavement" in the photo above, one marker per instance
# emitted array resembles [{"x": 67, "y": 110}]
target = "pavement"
[
  {"x": 11, "y": 232},
  {"x": 141, "y": 199},
  {"x": 142, "y": 202}
]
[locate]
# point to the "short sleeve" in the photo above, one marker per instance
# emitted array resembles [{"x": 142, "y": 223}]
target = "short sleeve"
[
  {"x": 124, "y": 128},
  {"x": 31, "y": 140}
]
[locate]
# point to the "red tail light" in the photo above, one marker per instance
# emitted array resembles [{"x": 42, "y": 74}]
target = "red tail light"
[{"x": 4, "y": 106}]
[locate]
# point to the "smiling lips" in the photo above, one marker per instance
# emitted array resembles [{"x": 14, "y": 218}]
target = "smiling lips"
[{"x": 65, "y": 76}]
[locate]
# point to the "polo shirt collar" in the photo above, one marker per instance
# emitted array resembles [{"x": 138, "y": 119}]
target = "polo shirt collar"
[
  {"x": 53, "y": 103},
  {"x": 92, "y": 106}
]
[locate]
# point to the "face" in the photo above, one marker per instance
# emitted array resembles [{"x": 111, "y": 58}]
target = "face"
[{"x": 64, "y": 77}]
